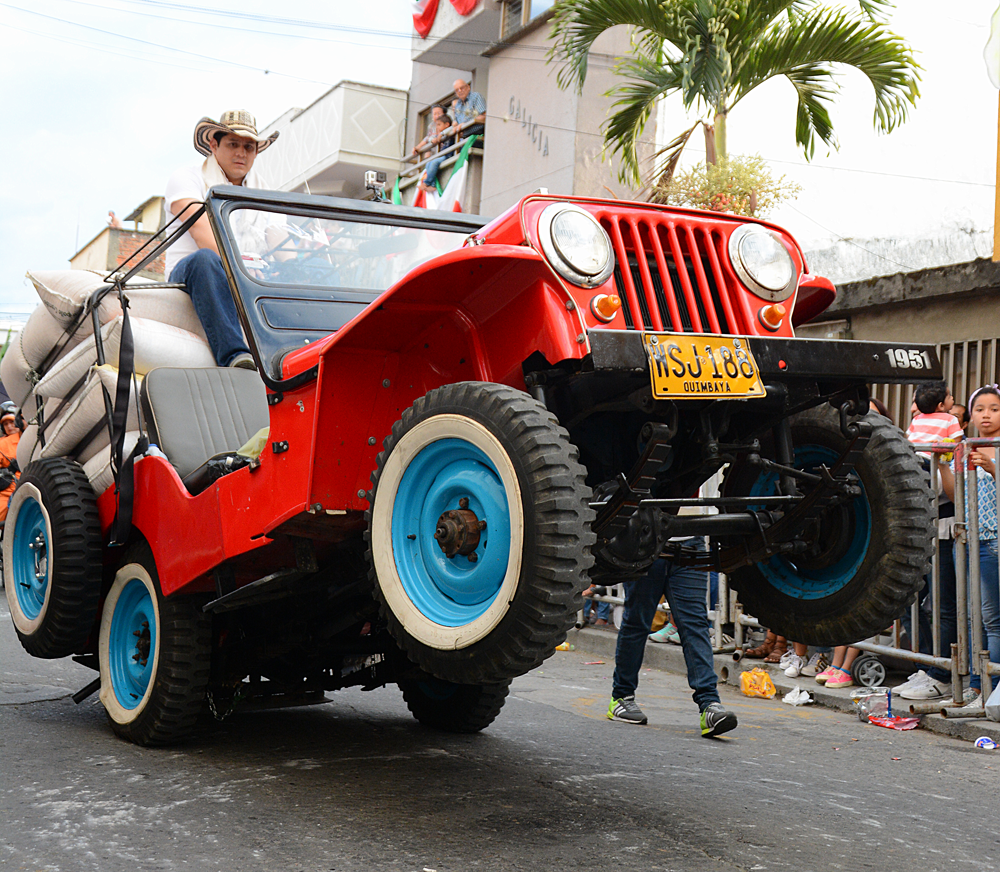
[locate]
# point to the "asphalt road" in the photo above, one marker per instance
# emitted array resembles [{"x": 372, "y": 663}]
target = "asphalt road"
[{"x": 552, "y": 785}]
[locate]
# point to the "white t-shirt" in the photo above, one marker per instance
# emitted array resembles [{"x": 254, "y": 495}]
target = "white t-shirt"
[{"x": 188, "y": 183}]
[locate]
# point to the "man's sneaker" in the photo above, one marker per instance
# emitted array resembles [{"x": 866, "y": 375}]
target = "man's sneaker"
[
  {"x": 625, "y": 709},
  {"x": 795, "y": 666},
  {"x": 715, "y": 720},
  {"x": 243, "y": 361},
  {"x": 929, "y": 689},
  {"x": 917, "y": 678},
  {"x": 667, "y": 634},
  {"x": 817, "y": 663}
]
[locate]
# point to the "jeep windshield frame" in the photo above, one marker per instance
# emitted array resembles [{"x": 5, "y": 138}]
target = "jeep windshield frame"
[{"x": 317, "y": 262}]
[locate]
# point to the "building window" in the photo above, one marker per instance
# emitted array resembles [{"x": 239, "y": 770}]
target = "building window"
[{"x": 517, "y": 13}]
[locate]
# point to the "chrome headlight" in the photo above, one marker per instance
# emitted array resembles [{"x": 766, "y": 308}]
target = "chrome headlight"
[
  {"x": 576, "y": 245},
  {"x": 762, "y": 262}
]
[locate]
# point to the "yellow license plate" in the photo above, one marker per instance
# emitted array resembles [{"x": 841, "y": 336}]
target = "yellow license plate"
[{"x": 695, "y": 366}]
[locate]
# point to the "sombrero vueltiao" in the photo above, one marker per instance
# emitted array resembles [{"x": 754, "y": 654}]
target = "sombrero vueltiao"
[{"x": 236, "y": 121}]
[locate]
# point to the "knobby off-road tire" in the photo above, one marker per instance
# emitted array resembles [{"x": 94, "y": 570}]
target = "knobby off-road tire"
[
  {"x": 454, "y": 708},
  {"x": 154, "y": 655},
  {"x": 876, "y": 547},
  {"x": 487, "y": 617},
  {"x": 52, "y": 558}
]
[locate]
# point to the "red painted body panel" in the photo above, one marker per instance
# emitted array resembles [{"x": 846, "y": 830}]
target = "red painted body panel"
[{"x": 475, "y": 314}]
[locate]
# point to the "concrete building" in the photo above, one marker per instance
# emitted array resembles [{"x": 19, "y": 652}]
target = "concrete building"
[
  {"x": 112, "y": 246},
  {"x": 956, "y": 307}
]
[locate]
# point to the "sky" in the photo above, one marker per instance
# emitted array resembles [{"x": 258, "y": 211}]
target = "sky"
[
  {"x": 933, "y": 175},
  {"x": 101, "y": 98}
]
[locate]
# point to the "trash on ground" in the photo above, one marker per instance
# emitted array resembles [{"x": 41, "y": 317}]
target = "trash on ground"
[
  {"x": 986, "y": 742},
  {"x": 894, "y": 722},
  {"x": 797, "y": 696},
  {"x": 756, "y": 682},
  {"x": 565, "y": 647}
]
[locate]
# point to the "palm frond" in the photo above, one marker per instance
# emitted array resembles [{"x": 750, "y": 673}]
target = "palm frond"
[
  {"x": 634, "y": 101},
  {"x": 819, "y": 42},
  {"x": 577, "y": 24}
]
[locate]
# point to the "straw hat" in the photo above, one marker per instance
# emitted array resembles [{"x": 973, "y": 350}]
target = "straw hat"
[{"x": 237, "y": 121}]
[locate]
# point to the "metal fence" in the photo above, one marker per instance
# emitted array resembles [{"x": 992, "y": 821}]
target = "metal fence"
[{"x": 967, "y": 655}]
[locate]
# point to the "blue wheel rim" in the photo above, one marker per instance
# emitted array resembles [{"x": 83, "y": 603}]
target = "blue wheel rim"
[
  {"x": 452, "y": 591},
  {"x": 800, "y": 581},
  {"x": 131, "y": 656},
  {"x": 30, "y": 558}
]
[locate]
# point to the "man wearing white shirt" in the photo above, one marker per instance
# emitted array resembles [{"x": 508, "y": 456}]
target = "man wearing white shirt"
[{"x": 230, "y": 146}]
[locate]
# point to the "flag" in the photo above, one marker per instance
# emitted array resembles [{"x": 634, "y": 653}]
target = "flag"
[
  {"x": 464, "y": 7},
  {"x": 454, "y": 192},
  {"x": 397, "y": 196},
  {"x": 991, "y": 54},
  {"x": 424, "y": 13}
]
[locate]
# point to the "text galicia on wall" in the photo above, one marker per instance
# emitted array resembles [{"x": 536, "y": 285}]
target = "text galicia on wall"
[{"x": 539, "y": 137}]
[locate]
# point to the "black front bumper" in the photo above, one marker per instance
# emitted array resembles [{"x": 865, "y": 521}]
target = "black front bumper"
[{"x": 782, "y": 360}]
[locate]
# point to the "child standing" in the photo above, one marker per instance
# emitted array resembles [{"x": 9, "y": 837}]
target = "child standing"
[
  {"x": 984, "y": 406},
  {"x": 934, "y": 421}
]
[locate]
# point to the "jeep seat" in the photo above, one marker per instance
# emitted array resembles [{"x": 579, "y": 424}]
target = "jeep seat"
[{"x": 195, "y": 415}]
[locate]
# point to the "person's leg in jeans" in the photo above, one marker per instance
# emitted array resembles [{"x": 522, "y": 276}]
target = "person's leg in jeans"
[
  {"x": 989, "y": 577},
  {"x": 641, "y": 598},
  {"x": 949, "y": 618},
  {"x": 205, "y": 281},
  {"x": 686, "y": 588}
]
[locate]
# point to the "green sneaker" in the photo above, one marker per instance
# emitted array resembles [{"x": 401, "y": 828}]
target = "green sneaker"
[
  {"x": 716, "y": 720},
  {"x": 625, "y": 709}
]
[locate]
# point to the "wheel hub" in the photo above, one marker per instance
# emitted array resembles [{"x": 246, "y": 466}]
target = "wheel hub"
[
  {"x": 458, "y": 531},
  {"x": 37, "y": 546}
]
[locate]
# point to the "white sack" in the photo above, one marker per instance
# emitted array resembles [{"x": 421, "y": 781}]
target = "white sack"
[
  {"x": 98, "y": 468},
  {"x": 80, "y": 417},
  {"x": 155, "y": 344}
]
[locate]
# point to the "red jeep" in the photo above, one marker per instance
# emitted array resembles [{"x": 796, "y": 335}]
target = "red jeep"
[{"x": 467, "y": 423}]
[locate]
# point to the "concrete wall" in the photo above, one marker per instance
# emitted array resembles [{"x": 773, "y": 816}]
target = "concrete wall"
[
  {"x": 940, "y": 305},
  {"x": 540, "y": 136}
]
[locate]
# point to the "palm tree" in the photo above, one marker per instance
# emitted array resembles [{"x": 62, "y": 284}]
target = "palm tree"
[{"x": 715, "y": 52}]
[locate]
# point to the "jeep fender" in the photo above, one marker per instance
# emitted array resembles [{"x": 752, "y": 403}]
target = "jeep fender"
[{"x": 473, "y": 315}]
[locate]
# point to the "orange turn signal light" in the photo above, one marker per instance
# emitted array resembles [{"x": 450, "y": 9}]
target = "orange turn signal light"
[
  {"x": 771, "y": 316},
  {"x": 605, "y": 306}
]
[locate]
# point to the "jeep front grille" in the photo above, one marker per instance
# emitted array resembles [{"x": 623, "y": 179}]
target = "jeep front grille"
[{"x": 656, "y": 293}]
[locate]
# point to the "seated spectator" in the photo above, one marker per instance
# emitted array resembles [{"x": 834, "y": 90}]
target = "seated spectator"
[
  {"x": 838, "y": 673},
  {"x": 468, "y": 105},
  {"x": 429, "y": 181},
  {"x": 432, "y": 130},
  {"x": 9, "y": 472}
]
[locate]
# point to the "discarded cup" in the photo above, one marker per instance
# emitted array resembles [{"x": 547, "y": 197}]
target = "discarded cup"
[
  {"x": 565, "y": 647},
  {"x": 986, "y": 742}
]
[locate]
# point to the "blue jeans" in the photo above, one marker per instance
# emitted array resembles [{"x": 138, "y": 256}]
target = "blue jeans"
[
  {"x": 989, "y": 587},
  {"x": 685, "y": 589},
  {"x": 603, "y": 610},
  {"x": 949, "y": 614},
  {"x": 430, "y": 176},
  {"x": 205, "y": 281}
]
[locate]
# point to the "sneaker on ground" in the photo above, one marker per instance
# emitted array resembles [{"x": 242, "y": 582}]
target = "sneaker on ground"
[
  {"x": 918, "y": 677},
  {"x": 786, "y": 658},
  {"x": 795, "y": 666},
  {"x": 822, "y": 677},
  {"x": 668, "y": 633},
  {"x": 929, "y": 689},
  {"x": 625, "y": 709},
  {"x": 243, "y": 361},
  {"x": 815, "y": 665},
  {"x": 840, "y": 678},
  {"x": 715, "y": 720},
  {"x": 973, "y": 708}
]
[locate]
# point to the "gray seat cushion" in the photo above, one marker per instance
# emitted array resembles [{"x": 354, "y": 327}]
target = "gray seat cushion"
[{"x": 196, "y": 414}]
